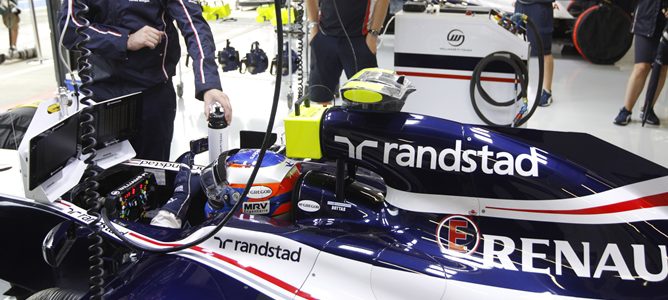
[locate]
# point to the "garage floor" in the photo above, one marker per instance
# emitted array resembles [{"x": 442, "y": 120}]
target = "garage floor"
[{"x": 587, "y": 97}]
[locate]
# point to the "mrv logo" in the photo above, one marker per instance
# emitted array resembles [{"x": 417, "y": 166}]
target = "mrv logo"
[
  {"x": 591, "y": 263},
  {"x": 451, "y": 160},
  {"x": 256, "y": 208}
]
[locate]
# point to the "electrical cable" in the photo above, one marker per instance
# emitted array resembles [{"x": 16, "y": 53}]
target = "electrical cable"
[
  {"x": 89, "y": 184},
  {"x": 541, "y": 71},
  {"x": 385, "y": 31},
  {"x": 521, "y": 73},
  {"x": 338, "y": 15},
  {"x": 251, "y": 179},
  {"x": 519, "y": 70},
  {"x": 61, "y": 45},
  {"x": 299, "y": 28}
]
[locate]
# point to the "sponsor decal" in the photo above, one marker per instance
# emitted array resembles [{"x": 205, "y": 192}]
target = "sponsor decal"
[
  {"x": 339, "y": 206},
  {"x": 266, "y": 249},
  {"x": 172, "y": 166},
  {"x": 256, "y": 208},
  {"x": 82, "y": 216},
  {"x": 459, "y": 234},
  {"x": 456, "y": 38},
  {"x": 577, "y": 256},
  {"x": 259, "y": 192},
  {"x": 451, "y": 160},
  {"x": 308, "y": 205}
]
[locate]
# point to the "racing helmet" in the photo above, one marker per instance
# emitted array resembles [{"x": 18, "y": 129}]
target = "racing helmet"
[{"x": 270, "y": 194}]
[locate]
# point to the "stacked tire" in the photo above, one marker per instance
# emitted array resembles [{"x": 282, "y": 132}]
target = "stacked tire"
[{"x": 602, "y": 32}]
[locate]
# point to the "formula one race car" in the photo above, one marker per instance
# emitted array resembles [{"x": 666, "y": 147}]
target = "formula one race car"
[{"x": 392, "y": 205}]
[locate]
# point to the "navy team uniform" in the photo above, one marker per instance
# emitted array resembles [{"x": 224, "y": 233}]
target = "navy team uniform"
[
  {"x": 118, "y": 71},
  {"x": 542, "y": 15},
  {"x": 331, "y": 50},
  {"x": 648, "y": 24}
]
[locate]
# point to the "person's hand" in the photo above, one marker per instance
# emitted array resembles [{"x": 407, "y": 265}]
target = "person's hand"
[
  {"x": 217, "y": 96},
  {"x": 147, "y": 36},
  {"x": 372, "y": 42},
  {"x": 312, "y": 33},
  {"x": 665, "y": 12}
]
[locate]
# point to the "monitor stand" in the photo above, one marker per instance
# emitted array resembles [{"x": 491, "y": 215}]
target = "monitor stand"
[
  {"x": 70, "y": 175},
  {"x": 61, "y": 181},
  {"x": 115, "y": 154}
]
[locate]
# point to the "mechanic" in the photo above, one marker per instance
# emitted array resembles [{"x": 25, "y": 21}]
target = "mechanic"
[
  {"x": 343, "y": 37},
  {"x": 648, "y": 23},
  {"x": 135, "y": 47},
  {"x": 10, "y": 17},
  {"x": 541, "y": 13}
]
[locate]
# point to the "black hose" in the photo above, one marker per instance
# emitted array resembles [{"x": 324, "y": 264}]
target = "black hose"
[
  {"x": 89, "y": 184},
  {"x": 520, "y": 71},
  {"x": 251, "y": 179},
  {"x": 541, "y": 73},
  {"x": 521, "y": 75}
]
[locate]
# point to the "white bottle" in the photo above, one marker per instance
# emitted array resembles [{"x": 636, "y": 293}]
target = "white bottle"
[{"x": 218, "y": 139}]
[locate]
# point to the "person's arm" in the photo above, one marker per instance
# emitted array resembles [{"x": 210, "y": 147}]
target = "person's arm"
[
  {"x": 376, "y": 23},
  {"x": 313, "y": 12},
  {"x": 201, "y": 47},
  {"x": 379, "y": 14},
  {"x": 105, "y": 40}
]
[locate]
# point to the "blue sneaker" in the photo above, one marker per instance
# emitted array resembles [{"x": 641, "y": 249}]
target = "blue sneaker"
[
  {"x": 623, "y": 117},
  {"x": 545, "y": 99}
]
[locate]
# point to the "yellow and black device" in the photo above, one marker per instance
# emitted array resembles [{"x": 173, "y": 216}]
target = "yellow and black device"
[
  {"x": 376, "y": 89},
  {"x": 302, "y": 131}
]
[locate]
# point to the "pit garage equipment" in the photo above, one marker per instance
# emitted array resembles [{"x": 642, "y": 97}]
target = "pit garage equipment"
[{"x": 439, "y": 52}]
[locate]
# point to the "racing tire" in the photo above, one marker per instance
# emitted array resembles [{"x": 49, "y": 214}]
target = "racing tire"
[
  {"x": 56, "y": 293},
  {"x": 602, "y": 34}
]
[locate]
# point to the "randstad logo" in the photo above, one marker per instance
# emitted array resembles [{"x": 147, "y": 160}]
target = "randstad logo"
[{"x": 451, "y": 160}]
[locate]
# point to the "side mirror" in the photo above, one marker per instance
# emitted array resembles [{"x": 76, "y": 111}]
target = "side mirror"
[{"x": 58, "y": 242}]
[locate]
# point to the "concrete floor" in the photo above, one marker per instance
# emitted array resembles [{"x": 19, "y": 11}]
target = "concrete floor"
[
  {"x": 22, "y": 81},
  {"x": 587, "y": 96}
]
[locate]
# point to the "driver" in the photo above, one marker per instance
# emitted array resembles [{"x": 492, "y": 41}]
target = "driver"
[{"x": 224, "y": 180}]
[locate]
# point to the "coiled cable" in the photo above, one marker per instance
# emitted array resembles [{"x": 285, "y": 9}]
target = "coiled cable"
[
  {"x": 521, "y": 73},
  {"x": 89, "y": 185},
  {"x": 299, "y": 29},
  {"x": 251, "y": 179}
]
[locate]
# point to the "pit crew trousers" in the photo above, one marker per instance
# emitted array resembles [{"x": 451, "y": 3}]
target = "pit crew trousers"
[
  {"x": 154, "y": 139},
  {"x": 542, "y": 16},
  {"x": 329, "y": 56},
  {"x": 157, "y": 123}
]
